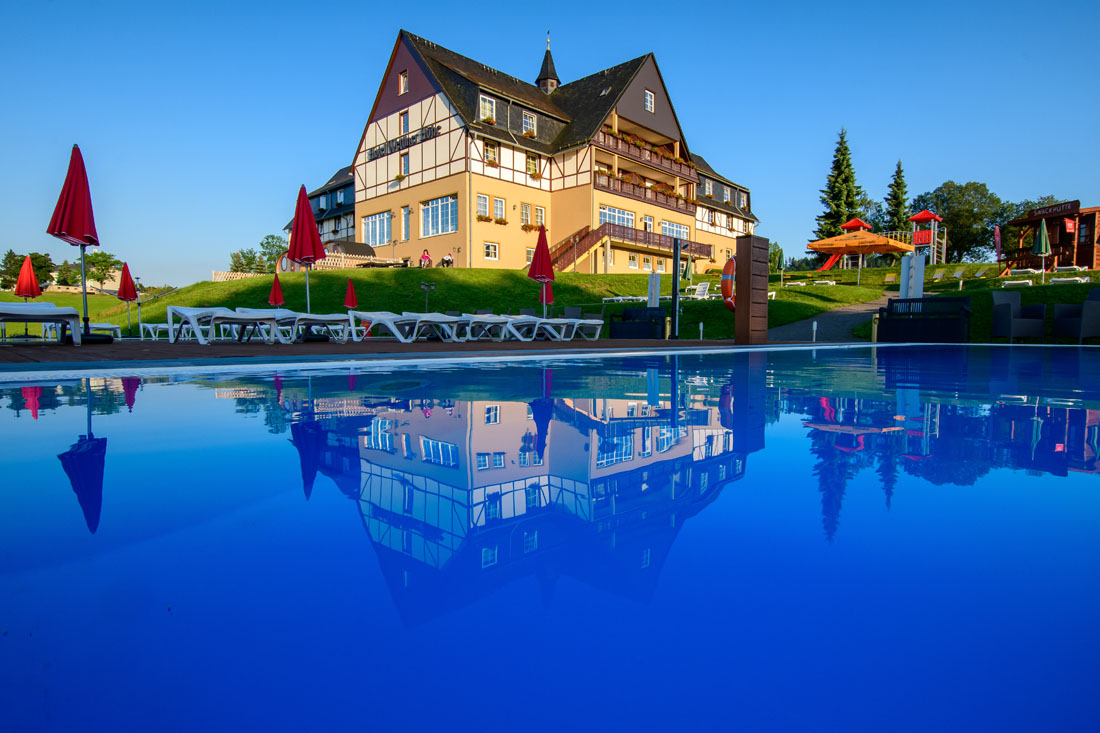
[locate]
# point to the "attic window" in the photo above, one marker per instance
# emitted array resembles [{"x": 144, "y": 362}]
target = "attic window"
[
  {"x": 650, "y": 101},
  {"x": 605, "y": 91},
  {"x": 403, "y": 82}
]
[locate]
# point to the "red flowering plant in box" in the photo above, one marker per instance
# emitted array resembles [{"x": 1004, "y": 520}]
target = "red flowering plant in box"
[
  {"x": 500, "y": 220},
  {"x": 530, "y": 227},
  {"x": 535, "y": 175},
  {"x": 492, "y": 164},
  {"x": 482, "y": 217},
  {"x": 488, "y": 120},
  {"x": 529, "y": 133}
]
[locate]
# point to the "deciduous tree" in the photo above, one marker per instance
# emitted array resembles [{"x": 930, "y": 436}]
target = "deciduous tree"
[
  {"x": 100, "y": 266},
  {"x": 969, "y": 212},
  {"x": 272, "y": 248}
]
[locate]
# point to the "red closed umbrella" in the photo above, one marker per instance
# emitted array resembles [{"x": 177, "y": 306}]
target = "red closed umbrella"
[
  {"x": 127, "y": 292},
  {"x": 73, "y": 222},
  {"x": 276, "y": 296},
  {"x": 305, "y": 241},
  {"x": 27, "y": 284},
  {"x": 541, "y": 269},
  {"x": 350, "y": 300}
]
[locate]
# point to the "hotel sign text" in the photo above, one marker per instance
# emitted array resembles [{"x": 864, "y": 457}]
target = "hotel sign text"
[{"x": 405, "y": 141}]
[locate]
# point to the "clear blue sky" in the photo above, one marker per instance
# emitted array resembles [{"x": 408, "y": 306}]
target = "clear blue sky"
[{"x": 198, "y": 122}]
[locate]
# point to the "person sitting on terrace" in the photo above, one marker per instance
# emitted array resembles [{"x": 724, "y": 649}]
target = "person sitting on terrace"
[
  {"x": 425, "y": 259},
  {"x": 447, "y": 261}
]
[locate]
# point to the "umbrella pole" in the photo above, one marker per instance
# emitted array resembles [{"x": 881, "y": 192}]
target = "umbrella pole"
[
  {"x": 88, "y": 386},
  {"x": 84, "y": 290},
  {"x": 26, "y": 326},
  {"x": 140, "y": 334},
  {"x": 544, "y": 300},
  {"x": 307, "y": 288},
  {"x": 129, "y": 327}
]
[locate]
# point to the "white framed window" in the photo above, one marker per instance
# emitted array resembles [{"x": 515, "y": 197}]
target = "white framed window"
[
  {"x": 525, "y": 213},
  {"x": 729, "y": 254},
  {"x": 632, "y": 261},
  {"x": 482, "y": 205},
  {"x": 533, "y": 164},
  {"x": 742, "y": 199},
  {"x": 498, "y": 208},
  {"x": 672, "y": 229},
  {"x": 533, "y": 496},
  {"x": 492, "y": 414},
  {"x": 647, "y": 438},
  {"x": 530, "y": 541},
  {"x": 439, "y": 216},
  {"x": 650, "y": 101},
  {"x": 438, "y": 452},
  {"x": 647, "y": 223},
  {"x": 404, "y": 164},
  {"x": 615, "y": 450},
  {"x": 492, "y": 251},
  {"x": 498, "y": 460},
  {"x": 492, "y": 506},
  {"x": 710, "y": 216},
  {"x": 403, "y": 122},
  {"x": 609, "y": 214},
  {"x": 410, "y": 499},
  {"x": 376, "y": 229},
  {"x": 540, "y": 216},
  {"x": 322, "y": 202},
  {"x": 660, "y": 264},
  {"x": 645, "y": 558},
  {"x": 403, "y": 82},
  {"x": 726, "y": 193},
  {"x": 378, "y": 435},
  {"x": 530, "y": 259},
  {"x": 529, "y": 123},
  {"x": 492, "y": 152},
  {"x": 488, "y": 108},
  {"x": 340, "y": 197},
  {"x": 488, "y": 557},
  {"x": 482, "y": 461},
  {"x": 708, "y": 188},
  {"x": 647, "y": 263},
  {"x": 405, "y": 216}
]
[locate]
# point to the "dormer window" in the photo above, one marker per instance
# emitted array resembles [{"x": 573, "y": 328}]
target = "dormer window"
[
  {"x": 726, "y": 193},
  {"x": 322, "y": 204},
  {"x": 742, "y": 199},
  {"x": 650, "y": 101},
  {"x": 707, "y": 187},
  {"x": 340, "y": 197},
  {"x": 529, "y": 124},
  {"x": 403, "y": 82},
  {"x": 488, "y": 110}
]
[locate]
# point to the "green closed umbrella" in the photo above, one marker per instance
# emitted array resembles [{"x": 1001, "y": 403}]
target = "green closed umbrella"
[{"x": 1042, "y": 246}]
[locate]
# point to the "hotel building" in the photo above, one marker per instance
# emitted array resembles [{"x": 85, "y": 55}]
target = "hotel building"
[{"x": 460, "y": 158}]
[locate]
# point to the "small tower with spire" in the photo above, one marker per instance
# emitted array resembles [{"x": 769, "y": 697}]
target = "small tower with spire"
[{"x": 548, "y": 75}]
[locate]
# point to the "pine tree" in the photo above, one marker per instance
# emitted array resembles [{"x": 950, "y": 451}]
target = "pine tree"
[
  {"x": 897, "y": 203},
  {"x": 841, "y": 195},
  {"x": 9, "y": 269}
]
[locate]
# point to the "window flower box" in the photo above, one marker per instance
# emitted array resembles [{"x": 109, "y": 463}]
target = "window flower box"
[
  {"x": 535, "y": 175},
  {"x": 399, "y": 177},
  {"x": 530, "y": 227},
  {"x": 500, "y": 221},
  {"x": 488, "y": 120},
  {"x": 482, "y": 217},
  {"x": 492, "y": 164},
  {"x": 529, "y": 133}
]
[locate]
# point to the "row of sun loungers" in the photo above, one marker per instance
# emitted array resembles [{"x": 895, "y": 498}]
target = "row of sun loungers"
[{"x": 209, "y": 324}]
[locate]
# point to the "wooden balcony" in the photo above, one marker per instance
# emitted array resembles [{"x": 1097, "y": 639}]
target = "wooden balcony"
[
  {"x": 643, "y": 155},
  {"x": 642, "y": 193},
  {"x": 652, "y": 240}
]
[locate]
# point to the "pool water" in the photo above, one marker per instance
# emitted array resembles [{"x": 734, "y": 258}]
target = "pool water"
[{"x": 891, "y": 539}]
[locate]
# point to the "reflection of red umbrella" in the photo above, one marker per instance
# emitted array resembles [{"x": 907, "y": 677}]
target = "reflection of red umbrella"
[
  {"x": 127, "y": 292},
  {"x": 31, "y": 395},
  {"x": 83, "y": 464},
  {"x": 350, "y": 300},
  {"x": 276, "y": 296},
  {"x": 542, "y": 410},
  {"x": 542, "y": 269},
  {"x": 278, "y": 382},
  {"x": 351, "y": 382},
  {"x": 130, "y": 387},
  {"x": 74, "y": 223},
  {"x": 305, "y": 241},
  {"x": 27, "y": 284}
]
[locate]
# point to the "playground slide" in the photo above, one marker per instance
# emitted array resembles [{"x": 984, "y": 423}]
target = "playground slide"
[{"x": 833, "y": 259}]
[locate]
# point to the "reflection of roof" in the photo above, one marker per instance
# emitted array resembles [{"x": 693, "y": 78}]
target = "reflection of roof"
[{"x": 849, "y": 429}]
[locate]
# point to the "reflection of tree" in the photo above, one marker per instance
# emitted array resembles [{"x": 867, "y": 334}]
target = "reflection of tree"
[
  {"x": 887, "y": 453},
  {"x": 104, "y": 401},
  {"x": 834, "y": 469},
  {"x": 963, "y": 457},
  {"x": 275, "y": 415}
]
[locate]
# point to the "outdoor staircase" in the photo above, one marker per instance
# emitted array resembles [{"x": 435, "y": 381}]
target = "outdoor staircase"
[{"x": 571, "y": 249}]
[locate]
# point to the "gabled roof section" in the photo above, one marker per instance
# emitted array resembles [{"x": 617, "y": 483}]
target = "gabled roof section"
[
  {"x": 339, "y": 179},
  {"x": 460, "y": 77},
  {"x": 704, "y": 169},
  {"x": 588, "y": 101}
]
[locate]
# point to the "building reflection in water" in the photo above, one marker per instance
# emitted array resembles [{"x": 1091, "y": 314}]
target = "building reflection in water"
[{"x": 460, "y": 497}]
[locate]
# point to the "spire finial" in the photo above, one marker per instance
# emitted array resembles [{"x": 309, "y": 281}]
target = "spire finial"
[{"x": 547, "y": 39}]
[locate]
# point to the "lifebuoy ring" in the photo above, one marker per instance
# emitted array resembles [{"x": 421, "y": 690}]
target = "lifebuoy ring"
[{"x": 727, "y": 283}]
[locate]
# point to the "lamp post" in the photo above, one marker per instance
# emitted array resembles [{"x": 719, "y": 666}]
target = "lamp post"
[{"x": 427, "y": 288}]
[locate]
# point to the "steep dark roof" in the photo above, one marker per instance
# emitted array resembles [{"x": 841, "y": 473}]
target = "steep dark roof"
[
  {"x": 339, "y": 179},
  {"x": 460, "y": 78},
  {"x": 706, "y": 171},
  {"x": 547, "y": 71},
  {"x": 588, "y": 101}
]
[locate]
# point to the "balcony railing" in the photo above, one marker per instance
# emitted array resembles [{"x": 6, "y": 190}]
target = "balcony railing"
[
  {"x": 572, "y": 248},
  {"x": 643, "y": 193},
  {"x": 644, "y": 155}
]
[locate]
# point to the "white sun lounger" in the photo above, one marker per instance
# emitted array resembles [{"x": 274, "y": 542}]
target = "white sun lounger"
[
  {"x": 401, "y": 327},
  {"x": 294, "y": 322},
  {"x": 435, "y": 324},
  {"x": 210, "y": 318},
  {"x": 41, "y": 313}
]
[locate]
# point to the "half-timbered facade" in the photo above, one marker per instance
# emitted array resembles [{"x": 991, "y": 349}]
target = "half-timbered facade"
[{"x": 460, "y": 158}]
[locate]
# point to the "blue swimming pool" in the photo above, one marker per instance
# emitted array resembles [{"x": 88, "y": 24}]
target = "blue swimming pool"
[{"x": 891, "y": 539}]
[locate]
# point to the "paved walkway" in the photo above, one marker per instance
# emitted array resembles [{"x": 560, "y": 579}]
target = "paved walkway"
[{"x": 833, "y": 326}]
